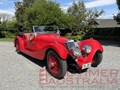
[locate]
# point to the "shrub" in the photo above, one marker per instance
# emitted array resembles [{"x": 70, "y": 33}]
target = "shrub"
[{"x": 77, "y": 37}]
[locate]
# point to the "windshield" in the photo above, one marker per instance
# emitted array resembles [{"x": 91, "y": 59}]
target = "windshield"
[{"x": 44, "y": 29}]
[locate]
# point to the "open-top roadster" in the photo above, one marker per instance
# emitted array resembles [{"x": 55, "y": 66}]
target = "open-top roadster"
[{"x": 59, "y": 53}]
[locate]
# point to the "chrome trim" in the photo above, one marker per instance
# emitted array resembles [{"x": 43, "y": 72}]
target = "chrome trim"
[{"x": 73, "y": 48}]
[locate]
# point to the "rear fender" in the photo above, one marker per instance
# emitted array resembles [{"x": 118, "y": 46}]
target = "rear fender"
[
  {"x": 21, "y": 42},
  {"x": 59, "y": 49}
]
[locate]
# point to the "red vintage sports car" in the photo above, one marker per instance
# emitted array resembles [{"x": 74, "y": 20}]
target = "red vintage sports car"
[{"x": 59, "y": 53}]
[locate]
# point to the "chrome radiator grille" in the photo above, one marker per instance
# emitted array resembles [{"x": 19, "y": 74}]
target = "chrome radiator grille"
[{"x": 70, "y": 44}]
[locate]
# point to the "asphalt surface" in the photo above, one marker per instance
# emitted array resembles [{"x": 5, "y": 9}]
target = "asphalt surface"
[{"x": 20, "y": 72}]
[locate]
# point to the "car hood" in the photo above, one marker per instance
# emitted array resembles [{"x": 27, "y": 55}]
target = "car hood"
[{"x": 51, "y": 38}]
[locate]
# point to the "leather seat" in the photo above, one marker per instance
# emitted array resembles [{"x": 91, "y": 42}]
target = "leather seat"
[{"x": 27, "y": 35}]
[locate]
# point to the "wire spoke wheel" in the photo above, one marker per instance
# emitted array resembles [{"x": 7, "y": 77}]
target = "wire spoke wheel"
[{"x": 55, "y": 65}]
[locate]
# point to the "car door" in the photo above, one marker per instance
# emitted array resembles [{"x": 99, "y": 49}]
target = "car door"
[{"x": 31, "y": 44}]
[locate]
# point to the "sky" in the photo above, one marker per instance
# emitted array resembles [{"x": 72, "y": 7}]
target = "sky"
[{"x": 109, "y": 6}]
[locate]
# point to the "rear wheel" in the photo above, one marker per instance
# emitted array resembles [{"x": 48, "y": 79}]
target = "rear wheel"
[
  {"x": 17, "y": 46},
  {"x": 55, "y": 65},
  {"x": 97, "y": 59}
]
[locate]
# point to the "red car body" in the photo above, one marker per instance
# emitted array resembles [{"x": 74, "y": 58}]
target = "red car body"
[{"x": 38, "y": 46}]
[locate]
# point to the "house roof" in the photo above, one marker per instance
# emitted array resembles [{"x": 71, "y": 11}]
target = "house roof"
[{"x": 105, "y": 23}]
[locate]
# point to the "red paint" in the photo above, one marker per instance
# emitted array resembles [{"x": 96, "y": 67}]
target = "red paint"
[
  {"x": 96, "y": 46},
  {"x": 38, "y": 46},
  {"x": 54, "y": 64}
]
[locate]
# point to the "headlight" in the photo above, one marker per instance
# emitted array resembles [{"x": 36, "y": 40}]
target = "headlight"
[
  {"x": 77, "y": 52},
  {"x": 73, "y": 48},
  {"x": 87, "y": 48}
]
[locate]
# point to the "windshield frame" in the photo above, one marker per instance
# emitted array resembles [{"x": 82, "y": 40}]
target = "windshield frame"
[{"x": 45, "y": 32}]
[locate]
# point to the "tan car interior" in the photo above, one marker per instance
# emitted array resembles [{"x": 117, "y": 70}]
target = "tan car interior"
[{"x": 29, "y": 36}]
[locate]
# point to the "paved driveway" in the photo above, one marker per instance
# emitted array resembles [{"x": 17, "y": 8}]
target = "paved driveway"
[{"x": 19, "y": 72}]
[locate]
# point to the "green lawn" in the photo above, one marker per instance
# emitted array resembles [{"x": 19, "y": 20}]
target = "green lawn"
[{"x": 7, "y": 39}]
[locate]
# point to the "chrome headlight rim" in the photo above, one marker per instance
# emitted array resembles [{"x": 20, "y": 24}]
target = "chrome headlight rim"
[
  {"x": 77, "y": 52},
  {"x": 73, "y": 47},
  {"x": 87, "y": 48}
]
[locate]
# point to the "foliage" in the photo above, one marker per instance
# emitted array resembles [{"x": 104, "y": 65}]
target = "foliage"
[
  {"x": 20, "y": 11},
  {"x": 46, "y": 12},
  {"x": 39, "y": 12},
  {"x": 8, "y": 29},
  {"x": 77, "y": 12},
  {"x": 81, "y": 18},
  {"x": 77, "y": 37},
  {"x": 2, "y": 29},
  {"x": 11, "y": 26},
  {"x": 7, "y": 39},
  {"x": 117, "y": 17},
  {"x": 118, "y": 3}
]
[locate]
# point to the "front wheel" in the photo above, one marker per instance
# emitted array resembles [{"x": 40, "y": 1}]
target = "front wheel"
[
  {"x": 97, "y": 59},
  {"x": 55, "y": 65}
]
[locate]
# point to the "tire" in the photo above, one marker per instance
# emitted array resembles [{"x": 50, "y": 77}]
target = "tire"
[
  {"x": 97, "y": 59},
  {"x": 17, "y": 45},
  {"x": 55, "y": 65}
]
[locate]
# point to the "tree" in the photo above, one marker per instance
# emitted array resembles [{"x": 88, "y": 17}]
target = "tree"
[
  {"x": 11, "y": 26},
  {"x": 3, "y": 29},
  {"x": 118, "y": 3},
  {"x": 39, "y": 12},
  {"x": 45, "y": 13},
  {"x": 77, "y": 13},
  {"x": 81, "y": 18},
  {"x": 20, "y": 12},
  {"x": 8, "y": 29},
  {"x": 117, "y": 17}
]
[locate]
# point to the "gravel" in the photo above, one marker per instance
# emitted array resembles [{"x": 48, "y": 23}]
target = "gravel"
[{"x": 20, "y": 72}]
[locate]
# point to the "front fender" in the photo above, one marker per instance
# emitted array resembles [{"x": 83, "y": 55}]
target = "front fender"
[
  {"x": 21, "y": 42},
  {"x": 59, "y": 49},
  {"x": 96, "y": 46}
]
